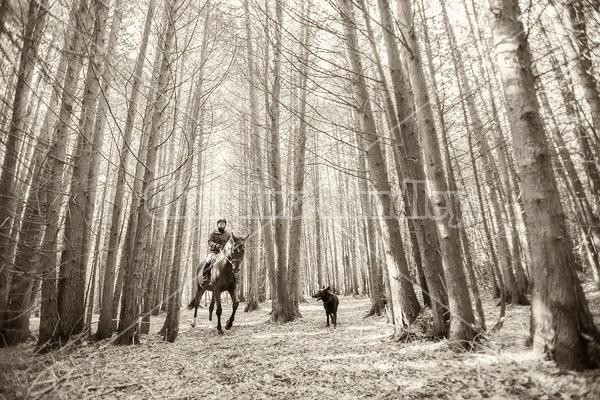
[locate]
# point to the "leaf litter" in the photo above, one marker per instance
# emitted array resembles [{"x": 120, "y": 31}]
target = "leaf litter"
[{"x": 258, "y": 359}]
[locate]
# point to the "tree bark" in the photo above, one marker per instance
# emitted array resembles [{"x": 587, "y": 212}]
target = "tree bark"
[
  {"x": 404, "y": 300},
  {"x": 14, "y": 305},
  {"x": 255, "y": 174},
  {"x": 284, "y": 310},
  {"x": 452, "y": 186},
  {"x": 375, "y": 289},
  {"x": 131, "y": 304},
  {"x": 105, "y": 324},
  {"x": 318, "y": 235},
  {"x": 71, "y": 284},
  {"x": 561, "y": 321},
  {"x": 49, "y": 319},
  {"x": 197, "y": 122},
  {"x": 171, "y": 326},
  {"x": 514, "y": 294},
  {"x": 298, "y": 195},
  {"x": 590, "y": 223},
  {"x": 461, "y": 317},
  {"x": 581, "y": 57},
  {"x": 406, "y": 143},
  {"x": 36, "y": 17}
]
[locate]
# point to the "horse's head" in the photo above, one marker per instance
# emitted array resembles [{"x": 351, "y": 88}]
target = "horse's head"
[{"x": 237, "y": 249}]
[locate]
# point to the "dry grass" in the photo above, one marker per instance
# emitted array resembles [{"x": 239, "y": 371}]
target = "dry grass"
[{"x": 302, "y": 359}]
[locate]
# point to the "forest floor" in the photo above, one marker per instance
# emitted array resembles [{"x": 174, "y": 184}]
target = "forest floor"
[{"x": 257, "y": 359}]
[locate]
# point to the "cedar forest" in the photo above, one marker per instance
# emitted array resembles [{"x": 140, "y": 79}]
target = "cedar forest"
[{"x": 434, "y": 163}]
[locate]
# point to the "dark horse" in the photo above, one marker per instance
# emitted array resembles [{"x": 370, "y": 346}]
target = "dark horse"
[{"x": 222, "y": 279}]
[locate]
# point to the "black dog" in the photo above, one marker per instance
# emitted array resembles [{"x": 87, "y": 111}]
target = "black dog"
[{"x": 330, "y": 302}]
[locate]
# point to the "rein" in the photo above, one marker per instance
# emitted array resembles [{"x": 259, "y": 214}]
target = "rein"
[{"x": 236, "y": 269}]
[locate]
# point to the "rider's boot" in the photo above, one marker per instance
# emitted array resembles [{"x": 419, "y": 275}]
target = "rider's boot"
[{"x": 206, "y": 275}]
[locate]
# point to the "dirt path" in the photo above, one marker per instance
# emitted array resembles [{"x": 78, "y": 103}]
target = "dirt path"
[{"x": 302, "y": 359}]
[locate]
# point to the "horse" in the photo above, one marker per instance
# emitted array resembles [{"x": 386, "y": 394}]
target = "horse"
[{"x": 222, "y": 279}]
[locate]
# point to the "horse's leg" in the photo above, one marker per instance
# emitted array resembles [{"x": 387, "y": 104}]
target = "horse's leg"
[
  {"x": 199, "y": 293},
  {"x": 327, "y": 319},
  {"x": 334, "y": 319},
  {"x": 211, "y": 307},
  {"x": 236, "y": 303},
  {"x": 217, "y": 298}
]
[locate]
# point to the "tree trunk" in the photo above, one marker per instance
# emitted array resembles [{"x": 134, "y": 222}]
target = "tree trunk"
[
  {"x": 197, "y": 122},
  {"x": 39, "y": 186},
  {"x": 589, "y": 163},
  {"x": 71, "y": 284},
  {"x": 4, "y": 11},
  {"x": 170, "y": 328},
  {"x": 461, "y": 318},
  {"x": 503, "y": 257},
  {"x": 105, "y": 324},
  {"x": 406, "y": 142},
  {"x": 581, "y": 56},
  {"x": 14, "y": 305},
  {"x": 96, "y": 257},
  {"x": 318, "y": 235},
  {"x": 452, "y": 186},
  {"x": 284, "y": 310},
  {"x": 256, "y": 173},
  {"x": 266, "y": 206},
  {"x": 511, "y": 192},
  {"x": 49, "y": 319},
  {"x": 590, "y": 225},
  {"x": 298, "y": 196},
  {"x": 404, "y": 300},
  {"x": 36, "y": 17},
  {"x": 561, "y": 320},
  {"x": 375, "y": 289},
  {"x": 131, "y": 304}
]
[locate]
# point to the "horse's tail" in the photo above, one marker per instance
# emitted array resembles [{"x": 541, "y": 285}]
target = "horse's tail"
[
  {"x": 192, "y": 304},
  {"x": 195, "y": 300}
]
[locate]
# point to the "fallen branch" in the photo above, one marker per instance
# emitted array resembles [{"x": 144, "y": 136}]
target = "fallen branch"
[{"x": 113, "y": 387}]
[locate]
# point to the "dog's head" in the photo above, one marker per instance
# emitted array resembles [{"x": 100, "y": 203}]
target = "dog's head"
[{"x": 323, "y": 294}]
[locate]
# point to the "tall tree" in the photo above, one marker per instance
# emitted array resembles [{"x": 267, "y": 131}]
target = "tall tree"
[
  {"x": 131, "y": 304},
  {"x": 284, "y": 310},
  {"x": 105, "y": 323},
  {"x": 461, "y": 317},
  {"x": 562, "y": 324},
  {"x": 170, "y": 328},
  {"x": 12, "y": 322},
  {"x": 376, "y": 291},
  {"x": 36, "y": 17},
  {"x": 318, "y": 234},
  {"x": 299, "y": 167},
  {"x": 71, "y": 284},
  {"x": 49, "y": 318},
  {"x": 514, "y": 294},
  {"x": 404, "y": 134},
  {"x": 198, "y": 130},
  {"x": 589, "y": 222},
  {"x": 581, "y": 56},
  {"x": 405, "y": 304},
  {"x": 256, "y": 175},
  {"x": 468, "y": 260}
]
